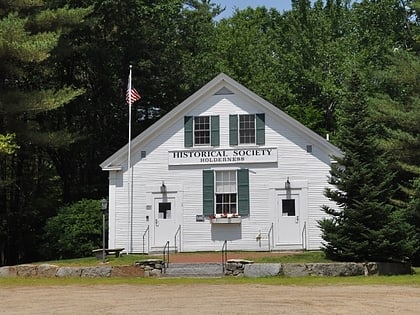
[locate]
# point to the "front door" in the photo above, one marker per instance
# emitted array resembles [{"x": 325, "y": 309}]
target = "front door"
[
  {"x": 288, "y": 220},
  {"x": 164, "y": 221}
]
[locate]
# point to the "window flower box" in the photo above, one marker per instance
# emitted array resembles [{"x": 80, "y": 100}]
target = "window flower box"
[{"x": 226, "y": 220}]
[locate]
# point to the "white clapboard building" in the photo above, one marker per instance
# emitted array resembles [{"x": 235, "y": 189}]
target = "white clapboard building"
[{"x": 224, "y": 165}]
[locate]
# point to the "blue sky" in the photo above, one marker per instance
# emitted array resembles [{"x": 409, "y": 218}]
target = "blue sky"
[{"x": 280, "y": 5}]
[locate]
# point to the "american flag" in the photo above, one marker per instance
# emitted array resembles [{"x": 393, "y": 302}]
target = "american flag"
[{"x": 135, "y": 96}]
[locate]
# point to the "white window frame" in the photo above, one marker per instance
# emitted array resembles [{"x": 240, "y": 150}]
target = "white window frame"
[
  {"x": 226, "y": 183},
  {"x": 242, "y": 129},
  {"x": 195, "y": 136}
]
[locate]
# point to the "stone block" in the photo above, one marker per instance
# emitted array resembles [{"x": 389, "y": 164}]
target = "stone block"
[
  {"x": 295, "y": 270},
  {"x": 47, "y": 270},
  {"x": 96, "y": 272},
  {"x": 155, "y": 273},
  {"x": 8, "y": 272},
  {"x": 27, "y": 270},
  {"x": 69, "y": 272},
  {"x": 336, "y": 269},
  {"x": 261, "y": 270}
]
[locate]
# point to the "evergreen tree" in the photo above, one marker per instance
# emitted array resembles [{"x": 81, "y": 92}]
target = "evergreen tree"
[
  {"x": 29, "y": 33},
  {"x": 366, "y": 226}
]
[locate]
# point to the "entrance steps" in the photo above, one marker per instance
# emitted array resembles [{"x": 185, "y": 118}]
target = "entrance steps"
[{"x": 194, "y": 270}]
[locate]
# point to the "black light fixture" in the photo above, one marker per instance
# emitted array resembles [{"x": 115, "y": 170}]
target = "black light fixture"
[
  {"x": 287, "y": 184},
  {"x": 163, "y": 188}
]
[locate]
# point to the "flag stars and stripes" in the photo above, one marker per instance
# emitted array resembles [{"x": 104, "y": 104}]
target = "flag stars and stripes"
[{"x": 132, "y": 96}]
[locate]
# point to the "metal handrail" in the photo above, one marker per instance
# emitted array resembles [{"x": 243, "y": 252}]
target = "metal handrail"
[
  {"x": 304, "y": 241},
  {"x": 178, "y": 231},
  {"x": 165, "y": 256},
  {"x": 224, "y": 256},
  {"x": 148, "y": 239},
  {"x": 269, "y": 236}
]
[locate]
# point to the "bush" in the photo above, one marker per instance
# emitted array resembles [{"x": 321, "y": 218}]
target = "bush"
[{"x": 74, "y": 231}]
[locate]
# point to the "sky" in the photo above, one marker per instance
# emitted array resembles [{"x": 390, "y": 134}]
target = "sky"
[{"x": 279, "y": 5}]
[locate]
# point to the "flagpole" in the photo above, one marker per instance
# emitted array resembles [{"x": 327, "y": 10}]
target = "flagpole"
[{"x": 129, "y": 168}]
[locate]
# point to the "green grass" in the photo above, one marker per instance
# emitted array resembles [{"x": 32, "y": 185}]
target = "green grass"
[
  {"x": 298, "y": 257},
  {"x": 406, "y": 280},
  {"x": 93, "y": 261}
]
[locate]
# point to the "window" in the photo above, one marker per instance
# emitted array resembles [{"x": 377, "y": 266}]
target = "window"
[
  {"x": 201, "y": 130},
  {"x": 164, "y": 210},
  {"x": 247, "y": 129},
  {"x": 288, "y": 208},
  {"x": 226, "y": 192}
]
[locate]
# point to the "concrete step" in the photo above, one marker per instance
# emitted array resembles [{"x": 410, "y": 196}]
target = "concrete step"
[{"x": 197, "y": 270}]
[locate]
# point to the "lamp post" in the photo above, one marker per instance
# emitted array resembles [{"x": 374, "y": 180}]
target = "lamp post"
[{"x": 104, "y": 206}]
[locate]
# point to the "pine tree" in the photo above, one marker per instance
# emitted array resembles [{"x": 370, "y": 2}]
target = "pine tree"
[
  {"x": 366, "y": 226},
  {"x": 30, "y": 30}
]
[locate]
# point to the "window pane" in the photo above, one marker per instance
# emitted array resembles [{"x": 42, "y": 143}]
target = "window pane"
[{"x": 288, "y": 207}]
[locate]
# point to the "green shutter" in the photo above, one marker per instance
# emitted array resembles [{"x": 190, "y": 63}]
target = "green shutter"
[
  {"x": 215, "y": 138},
  {"x": 208, "y": 192},
  {"x": 243, "y": 192},
  {"x": 260, "y": 124},
  {"x": 188, "y": 131},
  {"x": 233, "y": 129}
]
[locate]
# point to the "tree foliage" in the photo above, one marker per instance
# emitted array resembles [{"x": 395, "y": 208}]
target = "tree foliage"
[
  {"x": 75, "y": 231},
  {"x": 365, "y": 227},
  {"x": 29, "y": 33}
]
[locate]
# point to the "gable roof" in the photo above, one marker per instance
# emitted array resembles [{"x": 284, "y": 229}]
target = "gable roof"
[{"x": 221, "y": 84}]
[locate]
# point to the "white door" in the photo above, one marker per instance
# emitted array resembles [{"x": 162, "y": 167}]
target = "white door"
[
  {"x": 288, "y": 211},
  {"x": 164, "y": 221}
]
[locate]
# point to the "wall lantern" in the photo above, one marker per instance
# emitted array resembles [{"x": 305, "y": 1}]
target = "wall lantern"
[
  {"x": 104, "y": 204},
  {"x": 163, "y": 188},
  {"x": 287, "y": 184}
]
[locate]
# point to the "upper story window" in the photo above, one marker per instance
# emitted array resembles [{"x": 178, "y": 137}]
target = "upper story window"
[
  {"x": 247, "y": 129},
  {"x": 201, "y": 131}
]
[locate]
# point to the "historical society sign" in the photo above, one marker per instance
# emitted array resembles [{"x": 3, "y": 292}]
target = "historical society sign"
[{"x": 223, "y": 156}]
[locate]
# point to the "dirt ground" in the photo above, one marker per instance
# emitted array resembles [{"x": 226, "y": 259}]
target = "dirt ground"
[{"x": 209, "y": 299}]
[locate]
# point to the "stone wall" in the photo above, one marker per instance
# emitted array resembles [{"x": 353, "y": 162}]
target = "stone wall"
[
  {"x": 234, "y": 267},
  {"x": 47, "y": 270},
  {"x": 239, "y": 268}
]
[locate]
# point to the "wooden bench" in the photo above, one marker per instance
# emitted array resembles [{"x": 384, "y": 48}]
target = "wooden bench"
[{"x": 108, "y": 251}]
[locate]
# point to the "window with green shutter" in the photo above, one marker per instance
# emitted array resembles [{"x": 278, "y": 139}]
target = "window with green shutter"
[
  {"x": 247, "y": 129},
  {"x": 226, "y": 192},
  {"x": 201, "y": 131}
]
